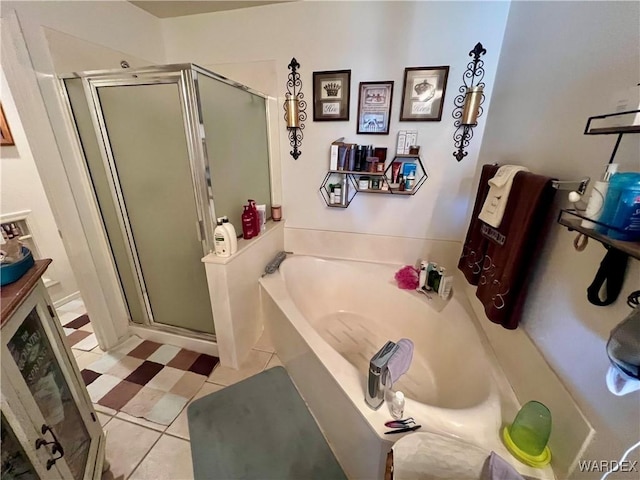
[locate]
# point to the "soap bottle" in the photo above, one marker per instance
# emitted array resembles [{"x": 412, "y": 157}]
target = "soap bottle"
[
  {"x": 337, "y": 193},
  {"x": 262, "y": 216},
  {"x": 256, "y": 217},
  {"x": 396, "y": 406},
  {"x": 345, "y": 191},
  {"x": 233, "y": 236},
  {"x": 221, "y": 240},
  {"x": 595, "y": 205},
  {"x": 248, "y": 223}
]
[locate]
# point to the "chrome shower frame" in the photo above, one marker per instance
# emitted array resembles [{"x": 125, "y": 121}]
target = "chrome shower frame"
[{"x": 186, "y": 77}]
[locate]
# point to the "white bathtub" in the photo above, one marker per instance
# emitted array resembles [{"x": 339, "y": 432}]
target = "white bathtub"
[{"x": 327, "y": 318}]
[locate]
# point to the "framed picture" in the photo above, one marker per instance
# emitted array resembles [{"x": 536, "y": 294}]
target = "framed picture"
[
  {"x": 5, "y": 132},
  {"x": 374, "y": 107},
  {"x": 423, "y": 94},
  {"x": 331, "y": 94}
]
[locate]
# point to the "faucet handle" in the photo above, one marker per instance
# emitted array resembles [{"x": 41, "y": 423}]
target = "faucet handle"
[{"x": 382, "y": 357}]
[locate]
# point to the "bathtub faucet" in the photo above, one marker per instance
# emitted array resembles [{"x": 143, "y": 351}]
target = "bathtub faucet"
[{"x": 378, "y": 372}]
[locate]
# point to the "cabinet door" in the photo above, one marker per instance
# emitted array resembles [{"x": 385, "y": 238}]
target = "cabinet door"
[
  {"x": 38, "y": 364},
  {"x": 16, "y": 463}
]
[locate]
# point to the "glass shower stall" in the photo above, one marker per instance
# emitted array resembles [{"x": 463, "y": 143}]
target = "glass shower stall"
[{"x": 167, "y": 150}]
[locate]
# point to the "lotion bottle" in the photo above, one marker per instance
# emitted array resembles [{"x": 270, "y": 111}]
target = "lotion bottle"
[
  {"x": 233, "y": 236},
  {"x": 337, "y": 193},
  {"x": 221, "y": 241},
  {"x": 595, "y": 206},
  {"x": 345, "y": 191}
]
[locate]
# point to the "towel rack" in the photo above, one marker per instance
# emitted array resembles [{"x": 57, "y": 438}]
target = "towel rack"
[{"x": 579, "y": 186}]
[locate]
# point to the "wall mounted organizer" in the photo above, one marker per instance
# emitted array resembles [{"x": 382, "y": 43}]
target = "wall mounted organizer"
[
  {"x": 572, "y": 219},
  {"x": 342, "y": 178},
  {"x": 295, "y": 109},
  {"x": 386, "y": 186},
  {"x": 468, "y": 104},
  {"x": 610, "y": 124}
]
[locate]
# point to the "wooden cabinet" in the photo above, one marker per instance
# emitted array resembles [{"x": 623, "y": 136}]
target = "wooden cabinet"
[{"x": 49, "y": 427}]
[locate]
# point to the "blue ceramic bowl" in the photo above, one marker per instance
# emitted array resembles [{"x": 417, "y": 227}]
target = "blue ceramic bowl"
[{"x": 9, "y": 273}]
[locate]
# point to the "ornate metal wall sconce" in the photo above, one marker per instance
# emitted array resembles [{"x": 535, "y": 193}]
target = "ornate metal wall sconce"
[
  {"x": 468, "y": 105},
  {"x": 295, "y": 109}
]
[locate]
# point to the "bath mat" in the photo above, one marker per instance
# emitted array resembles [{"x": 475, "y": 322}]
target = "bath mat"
[
  {"x": 147, "y": 379},
  {"x": 80, "y": 334},
  {"x": 265, "y": 415}
]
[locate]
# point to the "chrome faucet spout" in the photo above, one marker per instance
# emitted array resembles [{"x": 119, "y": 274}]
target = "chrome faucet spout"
[{"x": 378, "y": 371}]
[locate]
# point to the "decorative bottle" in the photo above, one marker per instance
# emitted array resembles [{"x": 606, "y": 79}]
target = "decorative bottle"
[
  {"x": 256, "y": 217},
  {"x": 248, "y": 223}
]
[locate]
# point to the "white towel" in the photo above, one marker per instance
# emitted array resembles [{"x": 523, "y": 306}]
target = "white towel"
[{"x": 496, "y": 201}]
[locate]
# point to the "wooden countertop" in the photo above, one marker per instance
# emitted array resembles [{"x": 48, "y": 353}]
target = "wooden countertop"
[{"x": 12, "y": 295}]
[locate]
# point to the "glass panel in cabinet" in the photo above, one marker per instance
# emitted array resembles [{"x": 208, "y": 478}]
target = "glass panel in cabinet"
[
  {"x": 15, "y": 463},
  {"x": 32, "y": 351}
]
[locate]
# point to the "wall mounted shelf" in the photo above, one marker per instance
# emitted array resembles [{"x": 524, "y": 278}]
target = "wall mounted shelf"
[
  {"x": 421, "y": 174},
  {"x": 572, "y": 219},
  {"x": 385, "y": 180},
  {"x": 619, "y": 123},
  {"x": 333, "y": 177}
]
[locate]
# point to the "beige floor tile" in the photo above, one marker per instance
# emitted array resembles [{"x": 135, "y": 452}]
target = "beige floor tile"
[
  {"x": 169, "y": 459},
  {"x": 97, "y": 350},
  {"x": 77, "y": 353},
  {"x": 264, "y": 343},
  {"x": 254, "y": 363},
  {"x": 104, "y": 419},
  {"x": 274, "y": 362},
  {"x": 87, "y": 328},
  {"x": 66, "y": 317},
  {"x": 141, "y": 421},
  {"x": 180, "y": 426},
  {"x": 127, "y": 444},
  {"x": 106, "y": 410},
  {"x": 87, "y": 359}
]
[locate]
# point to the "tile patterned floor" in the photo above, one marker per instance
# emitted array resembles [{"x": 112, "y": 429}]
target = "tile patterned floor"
[
  {"x": 160, "y": 452},
  {"x": 76, "y": 325},
  {"x": 146, "y": 379}
]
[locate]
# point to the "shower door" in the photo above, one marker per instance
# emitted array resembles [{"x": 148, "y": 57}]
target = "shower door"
[{"x": 148, "y": 176}]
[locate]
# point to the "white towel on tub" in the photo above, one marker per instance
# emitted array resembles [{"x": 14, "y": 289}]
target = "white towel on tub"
[{"x": 496, "y": 201}]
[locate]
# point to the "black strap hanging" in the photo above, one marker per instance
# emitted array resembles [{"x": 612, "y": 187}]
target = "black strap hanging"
[{"x": 612, "y": 270}]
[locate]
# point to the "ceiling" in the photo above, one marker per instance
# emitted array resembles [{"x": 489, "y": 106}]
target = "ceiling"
[{"x": 168, "y": 9}]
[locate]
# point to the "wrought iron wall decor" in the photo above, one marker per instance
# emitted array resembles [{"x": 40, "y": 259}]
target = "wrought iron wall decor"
[
  {"x": 468, "y": 104},
  {"x": 295, "y": 109}
]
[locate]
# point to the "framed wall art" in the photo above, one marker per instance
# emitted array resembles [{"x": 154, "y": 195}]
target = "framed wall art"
[
  {"x": 374, "y": 107},
  {"x": 423, "y": 94},
  {"x": 331, "y": 94},
  {"x": 5, "y": 132}
]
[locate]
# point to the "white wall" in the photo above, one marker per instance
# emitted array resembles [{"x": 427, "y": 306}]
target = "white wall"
[
  {"x": 38, "y": 38},
  {"x": 376, "y": 40},
  {"x": 560, "y": 63},
  {"x": 22, "y": 190}
]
